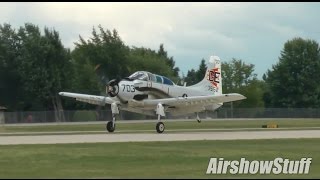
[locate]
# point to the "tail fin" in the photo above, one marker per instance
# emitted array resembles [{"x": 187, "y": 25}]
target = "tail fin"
[{"x": 212, "y": 80}]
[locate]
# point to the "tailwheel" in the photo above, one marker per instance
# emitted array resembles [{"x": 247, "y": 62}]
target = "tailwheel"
[
  {"x": 160, "y": 127},
  {"x": 110, "y": 127}
]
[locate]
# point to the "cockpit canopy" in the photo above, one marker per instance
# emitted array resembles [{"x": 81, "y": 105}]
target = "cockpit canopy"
[{"x": 147, "y": 76}]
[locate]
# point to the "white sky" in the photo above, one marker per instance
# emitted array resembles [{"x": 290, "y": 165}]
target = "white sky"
[{"x": 253, "y": 32}]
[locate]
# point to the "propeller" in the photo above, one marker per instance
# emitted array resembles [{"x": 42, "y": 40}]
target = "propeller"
[{"x": 113, "y": 87}]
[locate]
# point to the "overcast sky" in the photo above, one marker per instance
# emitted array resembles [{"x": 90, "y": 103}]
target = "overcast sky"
[{"x": 253, "y": 32}]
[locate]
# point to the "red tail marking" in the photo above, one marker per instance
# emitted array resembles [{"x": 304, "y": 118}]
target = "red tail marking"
[{"x": 214, "y": 76}]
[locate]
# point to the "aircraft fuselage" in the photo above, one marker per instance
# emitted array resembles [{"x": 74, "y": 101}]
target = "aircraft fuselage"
[{"x": 139, "y": 90}]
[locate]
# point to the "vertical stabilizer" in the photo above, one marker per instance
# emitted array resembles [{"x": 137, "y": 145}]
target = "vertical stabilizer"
[{"x": 212, "y": 80}]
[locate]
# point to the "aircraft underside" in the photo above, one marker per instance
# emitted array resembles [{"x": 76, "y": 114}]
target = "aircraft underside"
[{"x": 171, "y": 111}]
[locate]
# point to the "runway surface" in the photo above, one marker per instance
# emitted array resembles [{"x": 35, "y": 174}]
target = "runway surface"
[
  {"x": 145, "y": 121},
  {"x": 166, "y": 136}
]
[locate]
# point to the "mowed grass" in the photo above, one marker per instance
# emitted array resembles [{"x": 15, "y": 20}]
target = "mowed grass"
[
  {"x": 170, "y": 125},
  {"x": 181, "y": 159}
]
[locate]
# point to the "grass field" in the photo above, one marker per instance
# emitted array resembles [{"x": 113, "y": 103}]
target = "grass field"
[
  {"x": 182, "y": 159},
  {"x": 232, "y": 125}
]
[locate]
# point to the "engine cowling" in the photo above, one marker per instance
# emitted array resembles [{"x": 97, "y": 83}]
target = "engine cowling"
[{"x": 113, "y": 88}]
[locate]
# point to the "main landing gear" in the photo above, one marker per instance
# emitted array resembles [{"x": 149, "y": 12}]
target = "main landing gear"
[
  {"x": 160, "y": 112},
  {"x": 198, "y": 118},
  {"x": 111, "y": 125}
]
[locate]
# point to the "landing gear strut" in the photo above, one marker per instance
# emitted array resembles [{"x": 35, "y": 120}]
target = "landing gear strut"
[
  {"x": 111, "y": 125},
  {"x": 160, "y": 112},
  {"x": 198, "y": 118}
]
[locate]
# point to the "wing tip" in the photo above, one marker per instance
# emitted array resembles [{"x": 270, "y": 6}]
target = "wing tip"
[
  {"x": 236, "y": 94},
  {"x": 242, "y": 96}
]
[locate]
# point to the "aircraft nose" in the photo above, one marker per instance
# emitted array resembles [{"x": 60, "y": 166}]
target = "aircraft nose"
[{"x": 113, "y": 87}]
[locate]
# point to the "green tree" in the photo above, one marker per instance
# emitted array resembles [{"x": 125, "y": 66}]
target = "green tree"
[
  {"x": 85, "y": 80},
  {"x": 193, "y": 76},
  {"x": 104, "y": 55},
  {"x": 35, "y": 66},
  {"x": 149, "y": 60},
  {"x": 254, "y": 92},
  {"x": 105, "y": 50},
  {"x": 238, "y": 77},
  {"x": 44, "y": 67},
  {"x": 10, "y": 91},
  {"x": 202, "y": 70},
  {"x": 236, "y": 74},
  {"x": 168, "y": 60},
  {"x": 294, "y": 80}
]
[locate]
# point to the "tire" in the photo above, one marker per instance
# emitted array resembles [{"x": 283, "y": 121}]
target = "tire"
[
  {"x": 160, "y": 127},
  {"x": 110, "y": 127}
]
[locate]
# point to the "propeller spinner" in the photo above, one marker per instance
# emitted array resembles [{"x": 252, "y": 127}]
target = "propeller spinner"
[{"x": 113, "y": 87}]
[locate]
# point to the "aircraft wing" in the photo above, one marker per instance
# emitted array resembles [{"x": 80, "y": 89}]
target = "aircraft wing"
[
  {"x": 188, "y": 101},
  {"x": 91, "y": 99}
]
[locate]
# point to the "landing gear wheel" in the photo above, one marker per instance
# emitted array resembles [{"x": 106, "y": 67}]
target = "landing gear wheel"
[
  {"x": 160, "y": 127},
  {"x": 110, "y": 127},
  {"x": 199, "y": 120}
]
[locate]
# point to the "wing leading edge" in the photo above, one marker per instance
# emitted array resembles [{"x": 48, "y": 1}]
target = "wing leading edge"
[{"x": 91, "y": 99}]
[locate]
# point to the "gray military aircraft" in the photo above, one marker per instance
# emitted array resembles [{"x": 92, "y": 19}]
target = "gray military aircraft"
[{"x": 151, "y": 94}]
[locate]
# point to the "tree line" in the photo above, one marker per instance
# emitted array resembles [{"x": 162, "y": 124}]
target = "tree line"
[
  {"x": 293, "y": 82},
  {"x": 35, "y": 66}
]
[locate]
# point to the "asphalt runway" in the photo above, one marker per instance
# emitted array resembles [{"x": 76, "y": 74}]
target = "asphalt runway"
[
  {"x": 144, "y": 121},
  {"x": 166, "y": 136}
]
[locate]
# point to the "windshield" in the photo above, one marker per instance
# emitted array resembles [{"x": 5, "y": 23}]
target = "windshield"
[
  {"x": 147, "y": 76},
  {"x": 139, "y": 75}
]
